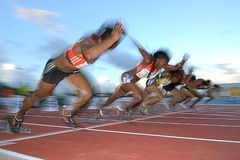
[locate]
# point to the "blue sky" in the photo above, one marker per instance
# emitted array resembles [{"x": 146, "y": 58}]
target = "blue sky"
[{"x": 33, "y": 31}]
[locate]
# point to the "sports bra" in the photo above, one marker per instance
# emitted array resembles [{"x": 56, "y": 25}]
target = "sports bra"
[
  {"x": 77, "y": 61},
  {"x": 143, "y": 70}
]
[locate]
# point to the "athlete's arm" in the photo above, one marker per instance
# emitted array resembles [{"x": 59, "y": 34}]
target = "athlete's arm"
[
  {"x": 178, "y": 65},
  {"x": 93, "y": 52},
  {"x": 147, "y": 59},
  {"x": 169, "y": 67},
  {"x": 184, "y": 60},
  {"x": 188, "y": 78}
]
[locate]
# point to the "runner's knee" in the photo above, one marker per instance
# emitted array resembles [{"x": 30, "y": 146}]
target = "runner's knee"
[
  {"x": 138, "y": 97},
  {"x": 87, "y": 96},
  {"x": 36, "y": 96}
]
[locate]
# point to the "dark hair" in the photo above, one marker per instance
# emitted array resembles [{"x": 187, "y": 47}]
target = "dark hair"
[
  {"x": 159, "y": 54},
  {"x": 193, "y": 78},
  {"x": 176, "y": 73},
  {"x": 162, "y": 54},
  {"x": 208, "y": 82}
]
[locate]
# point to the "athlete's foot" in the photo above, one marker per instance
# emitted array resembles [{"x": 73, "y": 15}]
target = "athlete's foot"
[
  {"x": 14, "y": 124},
  {"x": 99, "y": 114},
  {"x": 144, "y": 110},
  {"x": 183, "y": 106},
  {"x": 168, "y": 106},
  {"x": 129, "y": 111},
  {"x": 68, "y": 118},
  {"x": 118, "y": 112}
]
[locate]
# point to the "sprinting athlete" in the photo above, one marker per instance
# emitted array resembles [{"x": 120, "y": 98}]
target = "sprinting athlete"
[
  {"x": 166, "y": 81},
  {"x": 84, "y": 52},
  {"x": 148, "y": 68}
]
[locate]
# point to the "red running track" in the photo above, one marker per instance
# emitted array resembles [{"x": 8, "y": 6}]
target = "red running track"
[{"x": 210, "y": 133}]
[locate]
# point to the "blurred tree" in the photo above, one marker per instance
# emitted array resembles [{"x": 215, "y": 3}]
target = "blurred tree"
[{"x": 23, "y": 90}]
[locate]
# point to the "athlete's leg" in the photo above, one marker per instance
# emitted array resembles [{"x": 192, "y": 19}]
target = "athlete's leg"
[
  {"x": 44, "y": 90},
  {"x": 210, "y": 97},
  {"x": 178, "y": 97},
  {"x": 136, "y": 94},
  {"x": 198, "y": 98},
  {"x": 84, "y": 92},
  {"x": 119, "y": 92},
  {"x": 188, "y": 95},
  {"x": 150, "y": 100}
]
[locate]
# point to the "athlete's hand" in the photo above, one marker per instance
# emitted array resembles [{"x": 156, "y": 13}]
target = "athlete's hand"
[
  {"x": 135, "y": 42},
  {"x": 191, "y": 69},
  {"x": 117, "y": 31},
  {"x": 186, "y": 57}
]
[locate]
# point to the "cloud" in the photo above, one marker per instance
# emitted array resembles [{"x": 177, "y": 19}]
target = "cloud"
[
  {"x": 43, "y": 18},
  {"x": 122, "y": 59},
  {"x": 227, "y": 72},
  {"x": 227, "y": 69},
  {"x": 3, "y": 51},
  {"x": 15, "y": 43},
  {"x": 237, "y": 78},
  {"x": 53, "y": 46}
]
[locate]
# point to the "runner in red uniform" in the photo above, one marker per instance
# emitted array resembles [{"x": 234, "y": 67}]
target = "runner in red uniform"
[
  {"x": 148, "y": 68},
  {"x": 82, "y": 53}
]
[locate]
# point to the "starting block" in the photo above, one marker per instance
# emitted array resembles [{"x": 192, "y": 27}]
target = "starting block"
[{"x": 5, "y": 128}]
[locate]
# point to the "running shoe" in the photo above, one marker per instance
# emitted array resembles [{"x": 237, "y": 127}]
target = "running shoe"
[
  {"x": 14, "y": 124},
  {"x": 129, "y": 111},
  {"x": 99, "y": 114},
  {"x": 69, "y": 120},
  {"x": 118, "y": 111},
  {"x": 144, "y": 110},
  {"x": 167, "y": 105},
  {"x": 183, "y": 106}
]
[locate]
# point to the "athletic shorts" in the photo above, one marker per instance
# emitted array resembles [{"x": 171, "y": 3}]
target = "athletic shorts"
[
  {"x": 51, "y": 74},
  {"x": 171, "y": 86},
  {"x": 150, "y": 81},
  {"x": 126, "y": 78}
]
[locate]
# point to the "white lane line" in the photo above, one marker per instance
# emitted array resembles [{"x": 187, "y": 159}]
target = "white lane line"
[
  {"x": 79, "y": 129},
  {"x": 6, "y": 144},
  {"x": 203, "y": 118},
  {"x": 38, "y": 136},
  {"x": 221, "y": 105},
  {"x": 191, "y": 124},
  {"x": 221, "y": 115},
  {"x": 223, "y": 109},
  {"x": 216, "y": 112},
  {"x": 16, "y": 155},
  {"x": 166, "y": 136}
]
